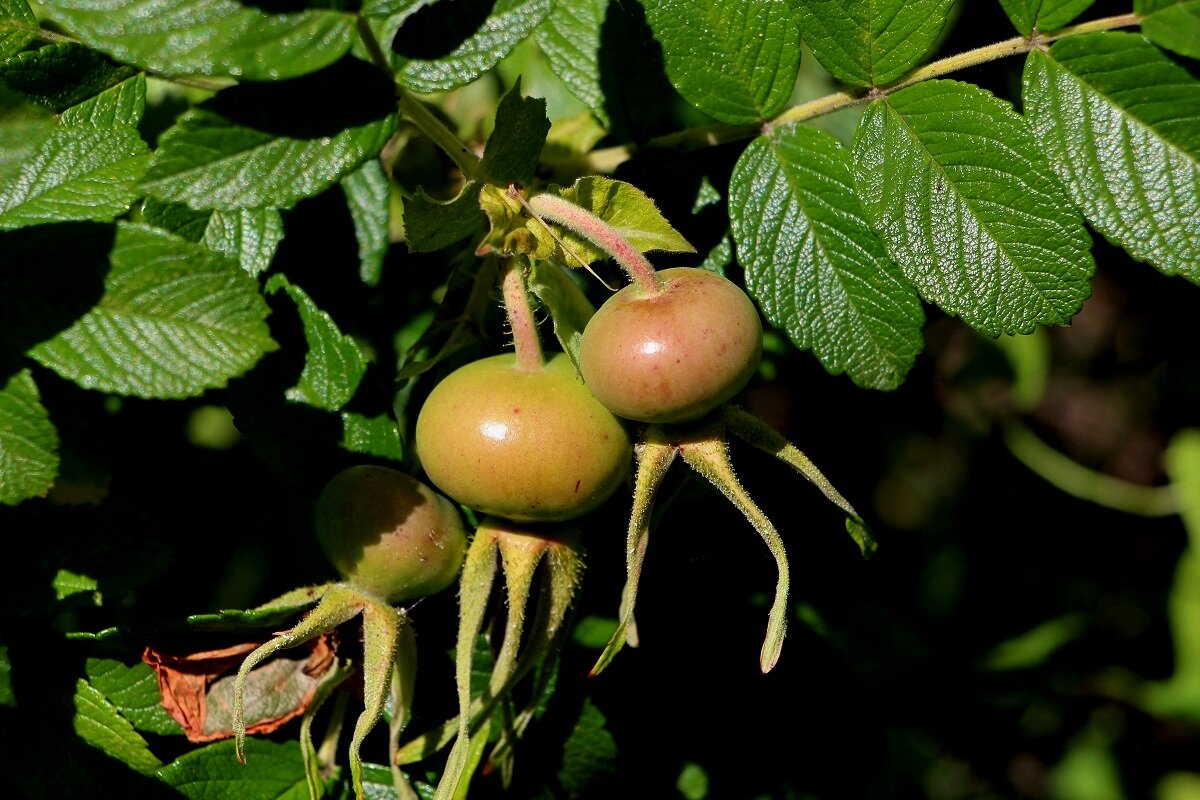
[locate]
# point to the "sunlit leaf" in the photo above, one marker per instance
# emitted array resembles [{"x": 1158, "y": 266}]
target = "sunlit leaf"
[
  {"x": 871, "y": 43},
  {"x": 735, "y": 61},
  {"x": 28, "y": 441},
  {"x": 1117, "y": 121},
  {"x": 966, "y": 204},
  {"x": 334, "y": 364},
  {"x": 175, "y": 319},
  {"x": 813, "y": 262},
  {"x": 214, "y": 37}
]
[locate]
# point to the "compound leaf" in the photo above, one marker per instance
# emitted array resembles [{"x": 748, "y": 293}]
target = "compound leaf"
[
  {"x": 213, "y": 772},
  {"x": 570, "y": 39},
  {"x": 368, "y": 196},
  {"x": 1045, "y": 15},
  {"x": 871, "y": 43},
  {"x": 334, "y": 364},
  {"x": 175, "y": 319},
  {"x": 249, "y": 235},
  {"x": 18, "y": 26},
  {"x": 813, "y": 262},
  {"x": 28, "y": 441},
  {"x": 270, "y": 145},
  {"x": 212, "y": 37},
  {"x": 76, "y": 174},
  {"x": 964, "y": 201},
  {"x": 1173, "y": 24},
  {"x": 735, "y": 61},
  {"x": 511, "y": 155},
  {"x": 1117, "y": 119},
  {"x": 122, "y": 104},
  {"x": 98, "y": 723},
  {"x": 508, "y": 24}
]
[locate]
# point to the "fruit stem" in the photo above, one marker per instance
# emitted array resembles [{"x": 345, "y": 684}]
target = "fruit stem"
[
  {"x": 601, "y": 234},
  {"x": 520, "y": 318}
]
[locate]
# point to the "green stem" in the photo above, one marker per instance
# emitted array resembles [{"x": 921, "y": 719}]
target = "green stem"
[
  {"x": 1086, "y": 484},
  {"x": 520, "y": 318},
  {"x": 607, "y": 159}
]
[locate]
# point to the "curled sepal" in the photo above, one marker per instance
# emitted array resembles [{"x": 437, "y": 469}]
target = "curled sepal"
[
  {"x": 754, "y": 431},
  {"x": 708, "y": 454},
  {"x": 479, "y": 571},
  {"x": 404, "y": 674},
  {"x": 383, "y": 627},
  {"x": 654, "y": 457},
  {"x": 312, "y": 761},
  {"x": 339, "y": 604},
  {"x": 561, "y": 578}
]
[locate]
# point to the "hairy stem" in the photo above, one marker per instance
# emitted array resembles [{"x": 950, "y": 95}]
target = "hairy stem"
[
  {"x": 607, "y": 159},
  {"x": 601, "y": 234},
  {"x": 520, "y": 318}
]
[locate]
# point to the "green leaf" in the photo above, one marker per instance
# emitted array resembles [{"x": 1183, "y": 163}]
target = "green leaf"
[
  {"x": 373, "y": 436},
  {"x": 590, "y": 752},
  {"x": 215, "y": 37},
  {"x": 68, "y": 584},
  {"x": 133, "y": 690},
  {"x": 18, "y": 26},
  {"x": 176, "y": 218},
  {"x": 175, "y": 319},
  {"x": 628, "y": 210},
  {"x": 8, "y": 698},
  {"x": 1173, "y": 24},
  {"x": 122, "y": 104},
  {"x": 59, "y": 76},
  {"x": 430, "y": 225},
  {"x": 813, "y": 263},
  {"x": 735, "y": 61},
  {"x": 872, "y": 43},
  {"x": 28, "y": 442},
  {"x": 76, "y": 174},
  {"x": 334, "y": 364},
  {"x": 270, "y": 145},
  {"x": 24, "y": 128},
  {"x": 1117, "y": 120},
  {"x": 510, "y": 21},
  {"x": 964, "y": 201},
  {"x": 1045, "y": 15},
  {"x": 566, "y": 302},
  {"x": 511, "y": 155},
  {"x": 98, "y": 723},
  {"x": 570, "y": 39},
  {"x": 368, "y": 196},
  {"x": 273, "y": 771},
  {"x": 249, "y": 235}
]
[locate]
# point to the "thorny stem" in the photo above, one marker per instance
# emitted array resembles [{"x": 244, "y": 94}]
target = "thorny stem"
[
  {"x": 601, "y": 234},
  {"x": 520, "y": 318},
  {"x": 607, "y": 159}
]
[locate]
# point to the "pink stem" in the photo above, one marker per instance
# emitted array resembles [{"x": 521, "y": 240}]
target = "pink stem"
[
  {"x": 520, "y": 318},
  {"x": 601, "y": 234}
]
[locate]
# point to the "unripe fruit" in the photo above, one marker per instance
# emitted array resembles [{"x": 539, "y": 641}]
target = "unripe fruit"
[
  {"x": 525, "y": 445},
  {"x": 389, "y": 534},
  {"x": 675, "y": 355}
]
